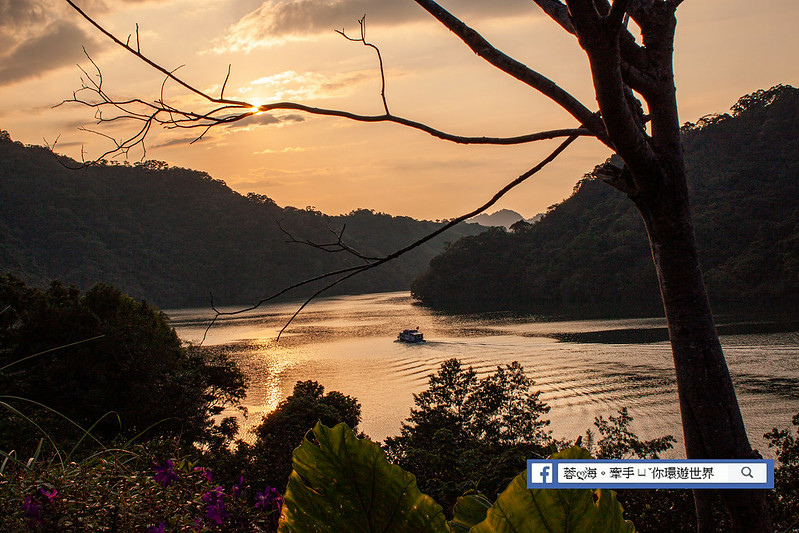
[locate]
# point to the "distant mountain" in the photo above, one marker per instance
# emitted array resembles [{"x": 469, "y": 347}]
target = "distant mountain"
[
  {"x": 591, "y": 252},
  {"x": 174, "y": 235},
  {"x": 503, "y": 217}
]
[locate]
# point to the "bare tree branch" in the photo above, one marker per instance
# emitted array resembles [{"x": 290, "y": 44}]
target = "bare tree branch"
[
  {"x": 224, "y": 111},
  {"x": 153, "y": 64},
  {"x": 346, "y": 273},
  {"x": 521, "y": 72},
  {"x": 599, "y": 37},
  {"x": 330, "y": 247},
  {"x": 633, "y": 56},
  {"x": 362, "y": 39}
]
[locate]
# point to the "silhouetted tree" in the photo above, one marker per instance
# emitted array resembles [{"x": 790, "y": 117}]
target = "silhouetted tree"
[{"x": 650, "y": 171}]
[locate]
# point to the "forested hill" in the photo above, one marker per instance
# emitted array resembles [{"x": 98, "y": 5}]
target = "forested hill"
[
  {"x": 591, "y": 252},
  {"x": 173, "y": 235}
]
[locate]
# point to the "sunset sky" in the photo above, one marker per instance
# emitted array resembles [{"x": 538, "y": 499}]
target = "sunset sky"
[{"x": 287, "y": 50}]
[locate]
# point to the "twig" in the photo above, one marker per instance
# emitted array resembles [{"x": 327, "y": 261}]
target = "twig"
[
  {"x": 362, "y": 39},
  {"x": 225, "y": 111}
]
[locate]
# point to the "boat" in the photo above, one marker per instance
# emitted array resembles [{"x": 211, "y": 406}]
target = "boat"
[{"x": 410, "y": 335}]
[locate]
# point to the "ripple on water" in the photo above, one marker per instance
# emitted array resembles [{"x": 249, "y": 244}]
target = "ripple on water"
[{"x": 348, "y": 344}]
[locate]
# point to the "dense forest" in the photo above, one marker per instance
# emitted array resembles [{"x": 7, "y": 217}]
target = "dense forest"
[
  {"x": 590, "y": 253},
  {"x": 174, "y": 235}
]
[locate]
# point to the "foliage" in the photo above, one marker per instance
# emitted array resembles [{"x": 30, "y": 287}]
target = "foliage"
[
  {"x": 269, "y": 459},
  {"x": 469, "y": 511},
  {"x": 618, "y": 442},
  {"x": 88, "y": 355},
  {"x": 172, "y": 235},
  {"x": 342, "y": 483},
  {"x": 654, "y": 510},
  {"x": 471, "y": 434},
  {"x": 131, "y": 491},
  {"x": 568, "y": 510},
  {"x": 590, "y": 255},
  {"x": 784, "y": 499}
]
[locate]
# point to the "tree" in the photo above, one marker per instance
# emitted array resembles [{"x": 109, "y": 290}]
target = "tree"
[
  {"x": 101, "y": 353},
  {"x": 471, "y": 434},
  {"x": 650, "y": 170},
  {"x": 282, "y": 430}
]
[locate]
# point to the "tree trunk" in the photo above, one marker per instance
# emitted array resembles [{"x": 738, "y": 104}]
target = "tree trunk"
[{"x": 712, "y": 422}]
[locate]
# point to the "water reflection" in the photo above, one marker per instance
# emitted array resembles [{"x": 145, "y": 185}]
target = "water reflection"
[{"x": 584, "y": 368}]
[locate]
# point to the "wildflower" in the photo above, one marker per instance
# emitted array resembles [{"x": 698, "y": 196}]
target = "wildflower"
[
  {"x": 269, "y": 498},
  {"x": 51, "y": 495},
  {"x": 160, "y": 528},
  {"x": 238, "y": 487},
  {"x": 215, "y": 506},
  {"x": 32, "y": 511},
  {"x": 165, "y": 473},
  {"x": 204, "y": 472}
]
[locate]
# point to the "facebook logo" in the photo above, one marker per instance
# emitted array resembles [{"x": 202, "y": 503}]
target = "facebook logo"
[{"x": 540, "y": 474}]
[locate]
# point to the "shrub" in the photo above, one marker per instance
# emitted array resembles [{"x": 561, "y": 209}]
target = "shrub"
[
  {"x": 88, "y": 355},
  {"x": 269, "y": 459},
  {"x": 471, "y": 434},
  {"x": 784, "y": 499}
]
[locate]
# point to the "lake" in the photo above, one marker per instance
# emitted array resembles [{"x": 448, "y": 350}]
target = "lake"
[{"x": 583, "y": 368}]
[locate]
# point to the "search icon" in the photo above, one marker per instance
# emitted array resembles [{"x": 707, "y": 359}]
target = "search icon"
[{"x": 746, "y": 471}]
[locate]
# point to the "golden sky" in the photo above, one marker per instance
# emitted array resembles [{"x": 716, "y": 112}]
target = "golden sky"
[{"x": 287, "y": 50}]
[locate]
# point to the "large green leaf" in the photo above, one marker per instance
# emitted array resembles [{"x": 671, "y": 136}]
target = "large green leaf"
[
  {"x": 522, "y": 510},
  {"x": 469, "y": 511},
  {"x": 343, "y": 484}
]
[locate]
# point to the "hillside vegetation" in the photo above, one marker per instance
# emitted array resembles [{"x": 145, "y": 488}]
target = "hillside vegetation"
[
  {"x": 590, "y": 253},
  {"x": 174, "y": 235}
]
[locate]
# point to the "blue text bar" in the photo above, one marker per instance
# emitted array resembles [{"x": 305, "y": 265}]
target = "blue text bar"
[{"x": 650, "y": 474}]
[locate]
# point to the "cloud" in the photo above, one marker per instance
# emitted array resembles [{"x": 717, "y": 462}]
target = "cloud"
[
  {"x": 264, "y": 119},
  {"x": 291, "y": 85},
  {"x": 180, "y": 141},
  {"x": 57, "y": 46},
  {"x": 276, "y": 20},
  {"x": 14, "y": 13},
  {"x": 281, "y": 151}
]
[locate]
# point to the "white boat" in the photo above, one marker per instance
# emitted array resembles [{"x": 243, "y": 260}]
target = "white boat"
[{"x": 410, "y": 335}]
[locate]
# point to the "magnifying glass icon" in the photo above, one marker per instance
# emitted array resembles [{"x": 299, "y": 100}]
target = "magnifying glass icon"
[{"x": 747, "y": 472}]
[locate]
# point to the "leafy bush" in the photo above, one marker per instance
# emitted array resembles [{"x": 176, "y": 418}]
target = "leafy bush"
[
  {"x": 618, "y": 442},
  {"x": 88, "y": 355},
  {"x": 784, "y": 499},
  {"x": 268, "y": 460},
  {"x": 471, "y": 434}
]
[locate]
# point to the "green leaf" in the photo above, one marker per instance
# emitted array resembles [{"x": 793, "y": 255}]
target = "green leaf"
[
  {"x": 469, "y": 511},
  {"x": 345, "y": 484},
  {"x": 522, "y": 510}
]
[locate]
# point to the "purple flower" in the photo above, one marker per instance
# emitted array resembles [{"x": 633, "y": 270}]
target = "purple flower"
[
  {"x": 238, "y": 487},
  {"x": 215, "y": 506},
  {"x": 269, "y": 499},
  {"x": 204, "y": 472},
  {"x": 160, "y": 528},
  {"x": 165, "y": 473},
  {"x": 32, "y": 511},
  {"x": 51, "y": 495}
]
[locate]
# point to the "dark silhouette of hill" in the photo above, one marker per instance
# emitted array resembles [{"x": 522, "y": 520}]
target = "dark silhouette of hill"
[
  {"x": 503, "y": 217},
  {"x": 174, "y": 235},
  {"x": 590, "y": 253}
]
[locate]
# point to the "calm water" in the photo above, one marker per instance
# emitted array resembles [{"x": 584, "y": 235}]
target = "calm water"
[{"x": 583, "y": 368}]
